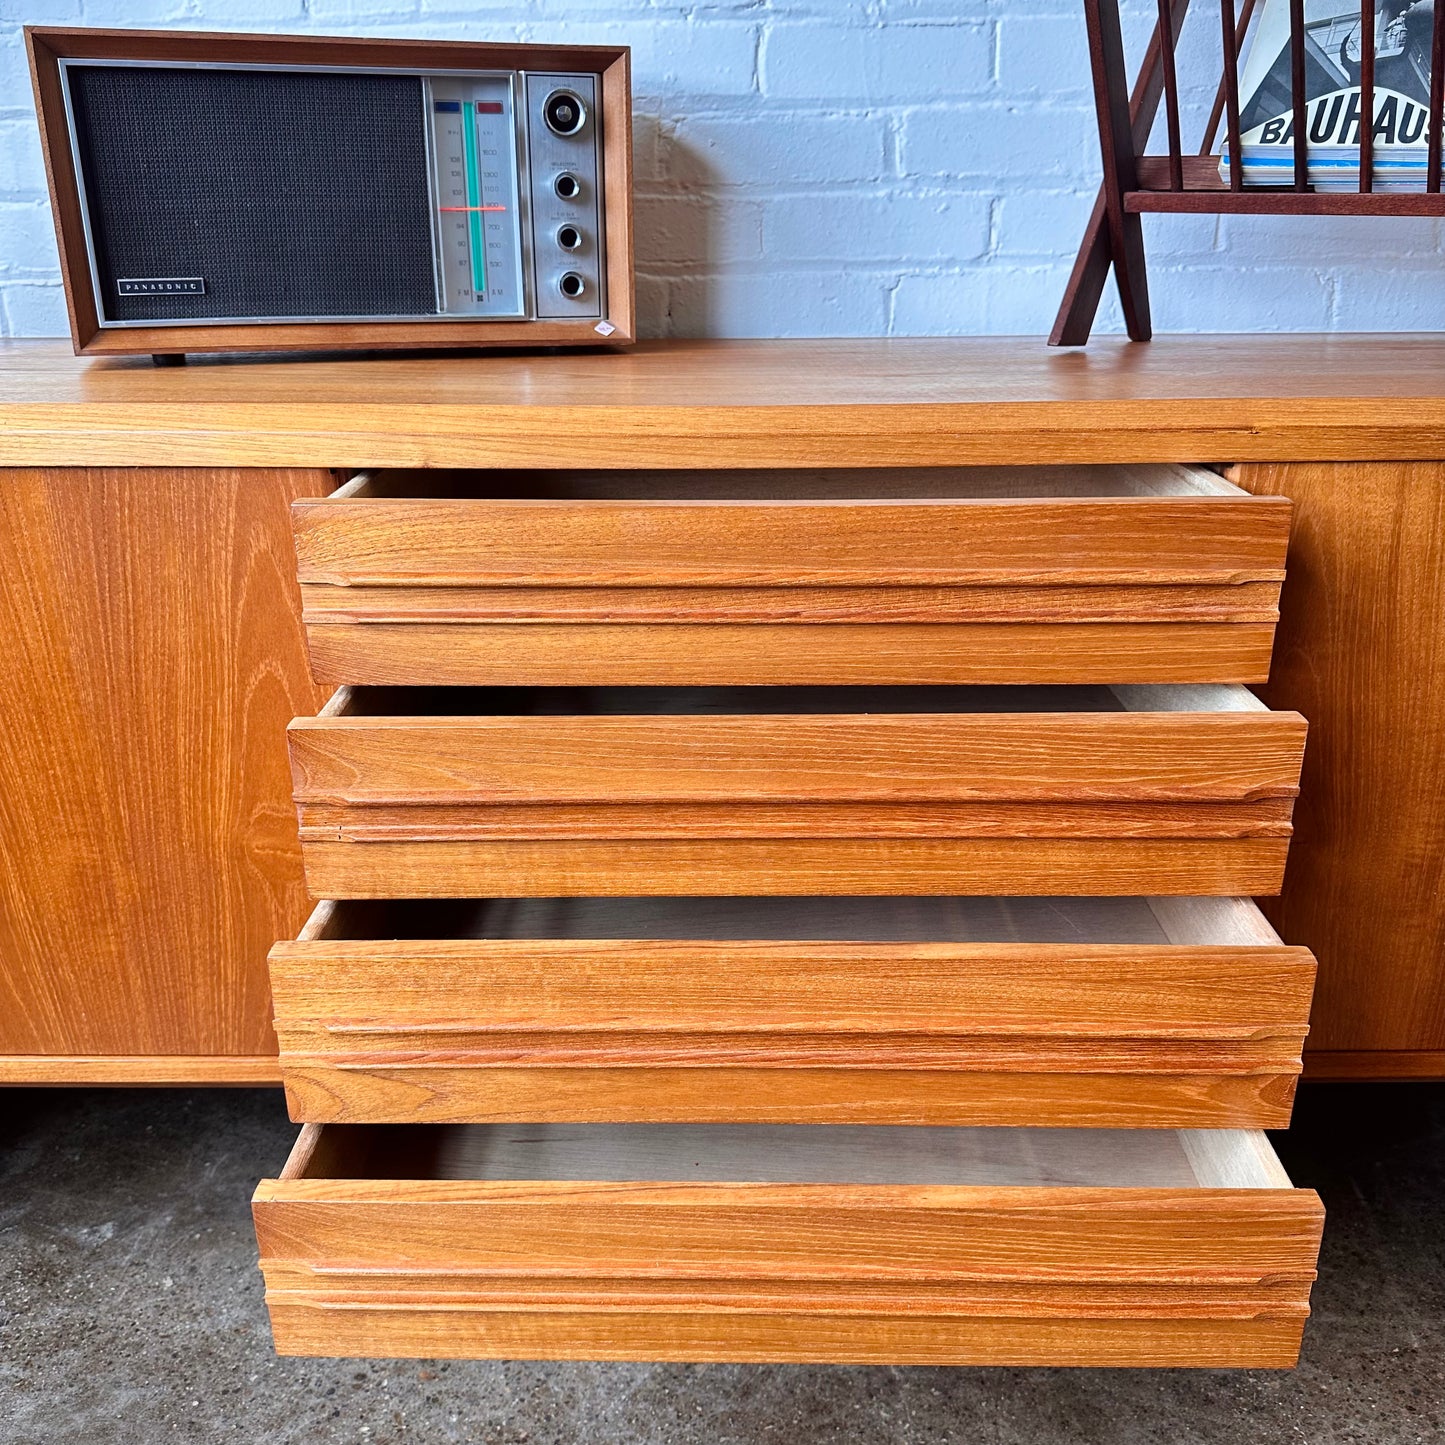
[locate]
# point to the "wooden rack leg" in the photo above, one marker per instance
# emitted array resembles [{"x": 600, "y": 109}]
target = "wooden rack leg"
[
  {"x": 1091, "y": 266},
  {"x": 1086, "y": 282}
]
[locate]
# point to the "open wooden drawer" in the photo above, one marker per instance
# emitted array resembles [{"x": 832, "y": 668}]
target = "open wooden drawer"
[
  {"x": 775, "y": 1243},
  {"x": 1165, "y": 1012},
  {"x": 486, "y": 792},
  {"x": 966, "y": 575}
]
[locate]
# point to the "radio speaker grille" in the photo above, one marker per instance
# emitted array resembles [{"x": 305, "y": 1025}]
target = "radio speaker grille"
[{"x": 288, "y": 194}]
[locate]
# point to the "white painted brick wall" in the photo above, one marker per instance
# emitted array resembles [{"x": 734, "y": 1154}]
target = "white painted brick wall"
[{"x": 831, "y": 167}]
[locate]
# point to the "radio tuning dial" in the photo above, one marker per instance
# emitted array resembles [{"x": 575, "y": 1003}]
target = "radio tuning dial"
[{"x": 564, "y": 113}]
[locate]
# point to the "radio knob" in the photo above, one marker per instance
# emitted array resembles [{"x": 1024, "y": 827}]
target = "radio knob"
[
  {"x": 564, "y": 113},
  {"x": 571, "y": 285},
  {"x": 569, "y": 238},
  {"x": 567, "y": 186}
]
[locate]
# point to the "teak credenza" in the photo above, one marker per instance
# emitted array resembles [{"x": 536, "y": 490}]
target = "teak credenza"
[
  {"x": 154, "y": 647},
  {"x": 785, "y": 825}
]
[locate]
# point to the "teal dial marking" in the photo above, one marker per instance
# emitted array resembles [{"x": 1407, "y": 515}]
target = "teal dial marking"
[{"x": 474, "y": 201}]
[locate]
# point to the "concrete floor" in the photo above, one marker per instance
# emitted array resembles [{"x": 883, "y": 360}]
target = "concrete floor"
[{"x": 130, "y": 1311}]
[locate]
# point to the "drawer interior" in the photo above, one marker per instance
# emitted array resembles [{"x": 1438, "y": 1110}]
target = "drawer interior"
[
  {"x": 726, "y": 701},
  {"x": 891, "y": 484},
  {"x": 793, "y": 1154},
  {"x": 1231, "y": 922}
]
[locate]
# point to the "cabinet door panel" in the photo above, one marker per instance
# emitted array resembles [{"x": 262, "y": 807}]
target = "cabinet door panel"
[
  {"x": 1362, "y": 654},
  {"x": 152, "y": 656}
]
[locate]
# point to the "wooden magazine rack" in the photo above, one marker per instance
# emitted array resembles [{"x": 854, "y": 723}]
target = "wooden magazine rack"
[{"x": 1135, "y": 183}]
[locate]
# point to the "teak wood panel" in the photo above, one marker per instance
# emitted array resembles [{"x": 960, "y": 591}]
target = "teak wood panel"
[
  {"x": 47, "y": 46},
  {"x": 489, "y": 651},
  {"x": 1340, "y": 1064},
  {"x": 128, "y": 1070},
  {"x": 533, "y": 868},
  {"x": 1150, "y": 574},
  {"x": 1362, "y": 652},
  {"x": 725, "y": 404},
  {"x": 148, "y": 857},
  {"x": 882, "y": 541},
  {"x": 905, "y": 1273},
  {"x": 349, "y": 757},
  {"x": 1202, "y": 1029},
  {"x": 1029, "y": 802}
]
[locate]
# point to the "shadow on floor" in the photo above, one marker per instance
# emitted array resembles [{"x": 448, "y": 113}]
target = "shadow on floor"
[{"x": 131, "y": 1311}]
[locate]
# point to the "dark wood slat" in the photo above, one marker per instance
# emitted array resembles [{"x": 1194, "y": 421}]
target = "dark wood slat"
[
  {"x": 1367, "y": 96},
  {"x": 1286, "y": 203},
  {"x": 1229, "y": 39},
  {"x": 1437, "y": 98},
  {"x": 1116, "y": 141},
  {"x": 1297, "y": 93},
  {"x": 1201, "y": 173},
  {"x": 1216, "y": 113},
  {"x": 1085, "y": 288},
  {"x": 1171, "y": 99}
]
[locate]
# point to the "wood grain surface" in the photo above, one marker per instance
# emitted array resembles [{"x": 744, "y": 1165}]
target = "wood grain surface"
[
  {"x": 1362, "y": 653},
  {"x": 680, "y": 1269},
  {"x": 768, "y": 652},
  {"x": 136, "y": 1070},
  {"x": 302, "y": 1324},
  {"x": 452, "y": 1029},
  {"x": 148, "y": 857},
  {"x": 708, "y": 802},
  {"x": 878, "y": 756},
  {"x": 1375, "y": 1064},
  {"x": 1365, "y": 560},
  {"x": 878, "y": 542},
  {"x": 546, "y": 868},
  {"x": 717, "y": 404},
  {"x": 325, "y": 605},
  {"x": 965, "y": 1083},
  {"x": 1147, "y": 574}
]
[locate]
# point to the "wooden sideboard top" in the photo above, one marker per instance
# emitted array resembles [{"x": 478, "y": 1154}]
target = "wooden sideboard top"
[{"x": 916, "y": 402}]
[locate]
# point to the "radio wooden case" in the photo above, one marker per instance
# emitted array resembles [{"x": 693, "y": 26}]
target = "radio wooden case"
[{"x": 217, "y": 193}]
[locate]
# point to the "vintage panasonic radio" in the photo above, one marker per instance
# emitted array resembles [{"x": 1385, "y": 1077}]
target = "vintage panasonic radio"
[{"x": 260, "y": 193}]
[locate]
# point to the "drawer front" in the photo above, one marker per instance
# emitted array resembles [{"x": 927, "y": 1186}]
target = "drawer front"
[
  {"x": 1193, "y": 1271},
  {"x": 1151, "y": 574},
  {"x": 1166, "y": 801},
  {"x": 543, "y": 868},
  {"x": 1202, "y": 1028},
  {"x": 482, "y": 650}
]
